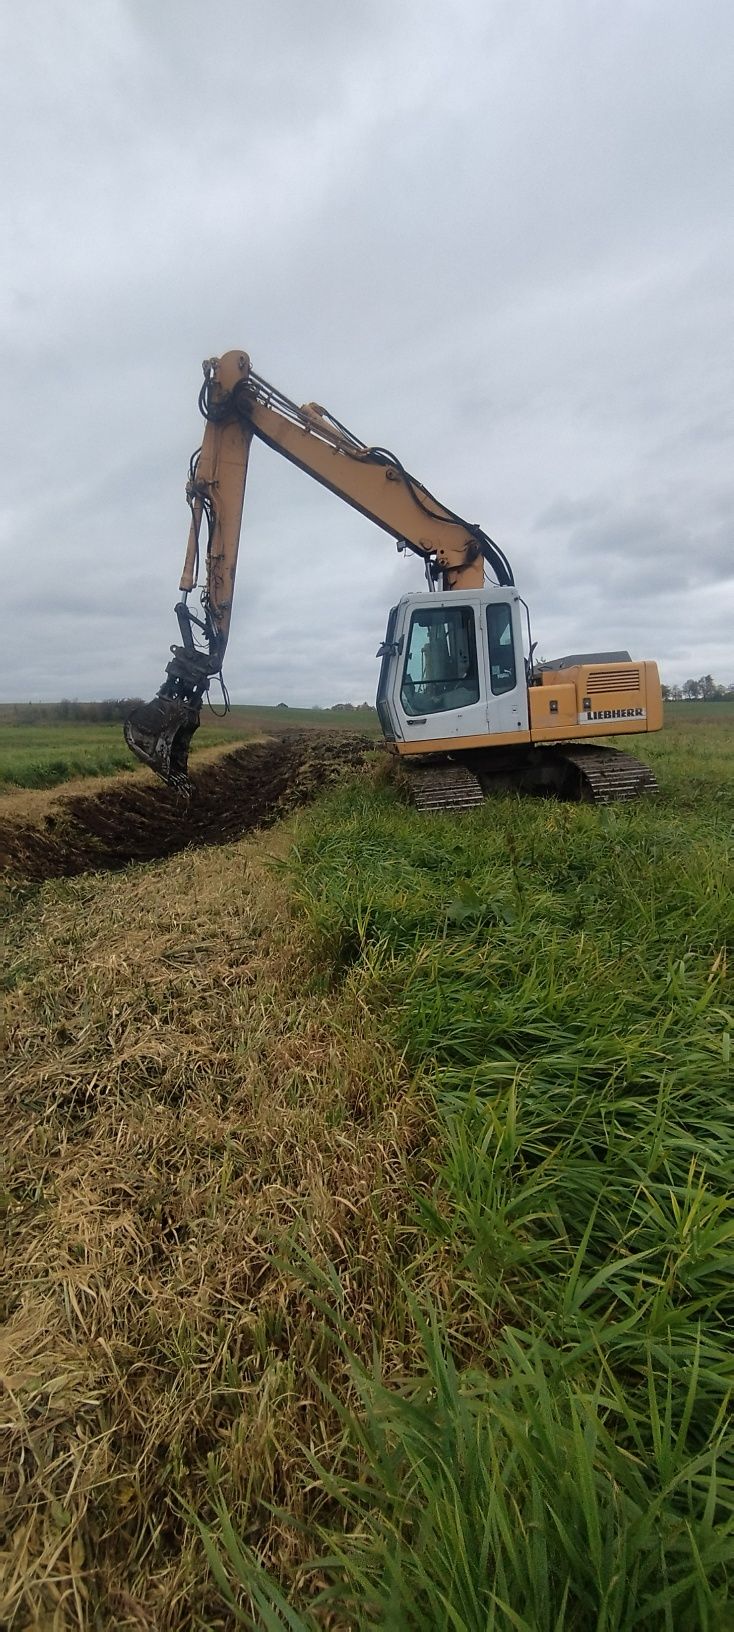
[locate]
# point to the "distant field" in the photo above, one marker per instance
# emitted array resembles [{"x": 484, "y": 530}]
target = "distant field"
[
  {"x": 44, "y": 753},
  {"x": 698, "y": 713},
  {"x": 693, "y": 755}
]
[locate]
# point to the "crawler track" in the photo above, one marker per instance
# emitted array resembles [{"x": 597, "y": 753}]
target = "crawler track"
[
  {"x": 443, "y": 787},
  {"x": 606, "y": 775},
  {"x": 582, "y": 771}
]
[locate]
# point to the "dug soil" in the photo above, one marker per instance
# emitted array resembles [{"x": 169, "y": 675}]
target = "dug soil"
[{"x": 133, "y": 821}]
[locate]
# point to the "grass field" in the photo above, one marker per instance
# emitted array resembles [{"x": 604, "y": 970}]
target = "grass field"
[
  {"x": 48, "y": 753},
  {"x": 370, "y": 1225}
]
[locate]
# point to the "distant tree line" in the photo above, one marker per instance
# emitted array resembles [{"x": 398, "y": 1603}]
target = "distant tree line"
[
  {"x": 115, "y": 708},
  {"x": 111, "y": 708},
  {"x": 704, "y": 690},
  {"x": 338, "y": 708},
  {"x": 353, "y": 708}
]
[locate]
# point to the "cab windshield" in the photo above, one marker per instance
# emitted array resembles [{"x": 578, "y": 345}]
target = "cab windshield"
[{"x": 440, "y": 669}]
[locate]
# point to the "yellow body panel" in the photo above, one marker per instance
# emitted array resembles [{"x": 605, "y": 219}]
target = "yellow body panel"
[{"x": 596, "y": 700}]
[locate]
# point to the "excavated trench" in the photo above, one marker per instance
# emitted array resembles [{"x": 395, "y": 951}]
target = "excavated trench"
[{"x": 139, "y": 821}]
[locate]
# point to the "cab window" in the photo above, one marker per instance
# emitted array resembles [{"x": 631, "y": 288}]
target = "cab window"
[
  {"x": 440, "y": 669},
  {"x": 502, "y": 673}
]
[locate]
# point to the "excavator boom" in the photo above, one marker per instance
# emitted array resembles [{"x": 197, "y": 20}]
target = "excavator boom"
[{"x": 237, "y": 405}]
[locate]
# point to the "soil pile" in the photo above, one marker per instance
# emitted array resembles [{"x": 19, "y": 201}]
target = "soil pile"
[{"x": 137, "y": 821}]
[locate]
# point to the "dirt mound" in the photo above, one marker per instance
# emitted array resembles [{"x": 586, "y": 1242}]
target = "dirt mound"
[{"x": 134, "y": 822}]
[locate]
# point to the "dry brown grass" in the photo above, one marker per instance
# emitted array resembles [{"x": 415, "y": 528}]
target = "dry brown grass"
[{"x": 186, "y": 1116}]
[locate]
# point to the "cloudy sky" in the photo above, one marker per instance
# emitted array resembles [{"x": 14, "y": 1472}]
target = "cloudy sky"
[{"x": 493, "y": 235}]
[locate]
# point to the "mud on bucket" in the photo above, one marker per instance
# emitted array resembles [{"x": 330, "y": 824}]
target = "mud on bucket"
[{"x": 159, "y": 734}]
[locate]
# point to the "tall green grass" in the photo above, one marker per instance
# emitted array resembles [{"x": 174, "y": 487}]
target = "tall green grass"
[
  {"x": 48, "y": 754},
  {"x": 43, "y": 756},
  {"x": 560, "y": 1455}
]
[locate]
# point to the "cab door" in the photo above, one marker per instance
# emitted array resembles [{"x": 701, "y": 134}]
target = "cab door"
[
  {"x": 507, "y": 692},
  {"x": 441, "y": 682}
]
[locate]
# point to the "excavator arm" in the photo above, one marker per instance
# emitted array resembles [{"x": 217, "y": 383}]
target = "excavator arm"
[{"x": 237, "y": 405}]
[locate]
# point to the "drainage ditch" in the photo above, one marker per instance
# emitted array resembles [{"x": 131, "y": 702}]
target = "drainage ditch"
[{"x": 139, "y": 821}]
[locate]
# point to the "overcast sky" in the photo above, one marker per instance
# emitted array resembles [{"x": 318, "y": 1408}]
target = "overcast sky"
[{"x": 493, "y": 235}]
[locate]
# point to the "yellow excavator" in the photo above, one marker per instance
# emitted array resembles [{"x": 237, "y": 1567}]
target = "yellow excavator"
[{"x": 460, "y": 699}]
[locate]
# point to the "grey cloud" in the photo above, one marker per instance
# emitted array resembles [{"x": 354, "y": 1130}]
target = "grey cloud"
[
  {"x": 567, "y": 512},
  {"x": 493, "y": 238}
]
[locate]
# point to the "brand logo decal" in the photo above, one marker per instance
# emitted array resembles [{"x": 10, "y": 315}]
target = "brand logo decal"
[{"x": 592, "y": 714}]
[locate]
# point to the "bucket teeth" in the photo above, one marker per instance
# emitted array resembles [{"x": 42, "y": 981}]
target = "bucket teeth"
[{"x": 159, "y": 734}]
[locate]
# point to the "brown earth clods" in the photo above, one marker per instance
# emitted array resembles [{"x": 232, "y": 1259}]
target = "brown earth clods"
[{"x": 134, "y": 821}]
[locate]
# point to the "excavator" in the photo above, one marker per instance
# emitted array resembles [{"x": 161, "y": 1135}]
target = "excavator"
[{"x": 462, "y": 704}]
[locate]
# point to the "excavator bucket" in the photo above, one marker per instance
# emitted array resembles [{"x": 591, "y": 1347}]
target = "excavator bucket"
[{"x": 159, "y": 734}]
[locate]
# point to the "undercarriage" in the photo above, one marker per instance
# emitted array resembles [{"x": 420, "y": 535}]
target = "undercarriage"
[{"x": 577, "y": 771}]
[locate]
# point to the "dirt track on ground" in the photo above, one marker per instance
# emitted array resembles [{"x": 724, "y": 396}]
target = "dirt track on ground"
[{"x": 135, "y": 822}]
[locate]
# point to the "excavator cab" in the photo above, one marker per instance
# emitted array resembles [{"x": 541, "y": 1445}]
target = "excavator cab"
[{"x": 452, "y": 670}]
